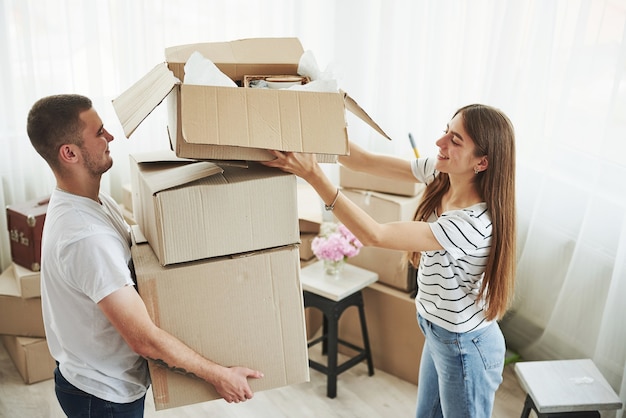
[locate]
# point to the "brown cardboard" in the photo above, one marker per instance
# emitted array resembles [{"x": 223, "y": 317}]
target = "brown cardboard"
[
  {"x": 242, "y": 57},
  {"x": 31, "y": 357},
  {"x": 127, "y": 196},
  {"x": 395, "y": 338},
  {"x": 391, "y": 265},
  {"x": 210, "y": 122},
  {"x": 28, "y": 281},
  {"x": 245, "y": 310},
  {"x": 313, "y": 317},
  {"x": 18, "y": 315},
  {"x": 309, "y": 209},
  {"x": 306, "y": 252},
  {"x": 358, "y": 180},
  {"x": 190, "y": 210}
]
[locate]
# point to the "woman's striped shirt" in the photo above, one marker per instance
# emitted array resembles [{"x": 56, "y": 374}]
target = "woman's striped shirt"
[{"x": 449, "y": 280}]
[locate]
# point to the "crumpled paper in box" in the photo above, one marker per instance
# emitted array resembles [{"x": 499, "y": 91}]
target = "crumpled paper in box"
[
  {"x": 321, "y": 81},
  {"x": 202, "y": 71}
]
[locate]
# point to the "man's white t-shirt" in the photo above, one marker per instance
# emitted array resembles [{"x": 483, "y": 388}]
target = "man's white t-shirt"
[{"x": 85, "y": 257}]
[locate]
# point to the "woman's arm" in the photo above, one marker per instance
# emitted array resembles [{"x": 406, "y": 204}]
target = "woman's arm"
[
  {"x": 378, "y": 164},
  {"x": 406, "y": 236}
]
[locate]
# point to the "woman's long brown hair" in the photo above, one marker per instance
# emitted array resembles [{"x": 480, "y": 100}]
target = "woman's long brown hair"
[{"x": 494, "y": 136}]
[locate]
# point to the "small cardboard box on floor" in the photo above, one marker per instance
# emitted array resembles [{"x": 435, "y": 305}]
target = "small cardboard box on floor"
[
  {"x": 241, "y": 123},
  {"x": 18, "y": 315},
  {"x": 242, "y": 310},
  {"x": 395, "y": 338},
  {"x": 390, "y": 265},
  {"x": 31, "y": 357},
  {"x": 191, "y": 210}
]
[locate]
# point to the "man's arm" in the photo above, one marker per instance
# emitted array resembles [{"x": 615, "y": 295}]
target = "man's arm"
[{"x": 128, "y": 314}]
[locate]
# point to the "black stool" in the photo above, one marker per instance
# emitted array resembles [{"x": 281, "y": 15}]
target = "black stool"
[
  {"x": 332, "y": 311},
  {"x": 530, "y": 405}
]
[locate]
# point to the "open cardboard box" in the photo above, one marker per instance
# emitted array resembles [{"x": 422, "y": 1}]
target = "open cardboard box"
[
  {"x": 191, "y": 210},
  {"x": 229, "y": 123}
]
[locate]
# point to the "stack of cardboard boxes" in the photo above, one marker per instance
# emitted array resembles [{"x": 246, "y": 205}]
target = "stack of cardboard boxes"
[
  {"x": 216, "y": 242},
  {"x": 219, "y": 269},
  {"x": 21, "y": 322}
]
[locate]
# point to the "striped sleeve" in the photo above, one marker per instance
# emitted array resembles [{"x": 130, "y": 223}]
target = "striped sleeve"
[
  {"x": 424, "y": 169},
  {"x": 463, "y": 232}
]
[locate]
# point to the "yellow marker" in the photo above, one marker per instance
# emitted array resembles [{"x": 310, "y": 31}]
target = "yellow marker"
[{"x": 417, "y": 154}]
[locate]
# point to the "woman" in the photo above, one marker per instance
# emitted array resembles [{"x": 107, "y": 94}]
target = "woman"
[{"x": 463, "y": 238}]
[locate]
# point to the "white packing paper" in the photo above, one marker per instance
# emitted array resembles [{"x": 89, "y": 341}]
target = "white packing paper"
[{"x": 202, "y": 71}]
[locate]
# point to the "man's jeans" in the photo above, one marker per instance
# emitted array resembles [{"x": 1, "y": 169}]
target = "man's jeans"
[{"x": 76, "y": 403}]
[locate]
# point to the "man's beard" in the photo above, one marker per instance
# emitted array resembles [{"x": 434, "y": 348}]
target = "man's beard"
[{"x": 94, "y": 169}]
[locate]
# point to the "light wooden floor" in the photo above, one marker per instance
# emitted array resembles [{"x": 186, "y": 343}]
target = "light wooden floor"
[{"x": 359, "y": 395}]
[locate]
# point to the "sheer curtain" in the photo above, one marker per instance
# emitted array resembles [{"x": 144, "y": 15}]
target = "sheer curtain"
[{"x": 557, "y": 68}]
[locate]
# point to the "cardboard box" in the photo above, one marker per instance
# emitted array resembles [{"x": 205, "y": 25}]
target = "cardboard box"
[
  {"x": 395, "y": 338},
  {"x": 230, "y": 123},
  {"x": 31, "y": 357},
  {"x": 18, "y": 315},
  {"x": 245, "y": 310},
  {"x": 309, "y": 219},
  {"x": 357, "y": 180},
  {"x": 391, "y": 266},
  {"x": 306, "y": 252},
  {"x": 28, "y": 281},
  {"x": 190, "y": 210},
  {"x": 25, "y": 221},
  {"x": 309, "y": 209},
  {"x": 127, "y": 196}
]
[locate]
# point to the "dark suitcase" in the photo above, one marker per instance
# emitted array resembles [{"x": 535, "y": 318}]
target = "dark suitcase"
[{"x": 25, "y": 221}]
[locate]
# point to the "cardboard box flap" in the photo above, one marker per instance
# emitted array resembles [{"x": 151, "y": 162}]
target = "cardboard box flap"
[
  {"x": 136, "y": 103},
  {"x": 358, "y": 111},
  {"x": 244, "y": 56},
  {"x": 165, "y": 171},
  {"x": 137, "y": 235}
]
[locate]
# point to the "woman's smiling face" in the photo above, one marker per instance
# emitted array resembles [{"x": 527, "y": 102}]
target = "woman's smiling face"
[{"x": 456, "y": 150}]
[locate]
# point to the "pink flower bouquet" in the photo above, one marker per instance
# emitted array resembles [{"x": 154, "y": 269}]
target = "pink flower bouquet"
[{"x": 335, "y": 243}]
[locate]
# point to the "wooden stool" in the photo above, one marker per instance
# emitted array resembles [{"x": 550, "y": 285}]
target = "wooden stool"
[
  {"x": 332, "y": 296},
  {"x": 565, "y": 388}
]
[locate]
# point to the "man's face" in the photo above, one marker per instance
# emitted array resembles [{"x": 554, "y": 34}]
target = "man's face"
[{"x": 95, "y": 147}]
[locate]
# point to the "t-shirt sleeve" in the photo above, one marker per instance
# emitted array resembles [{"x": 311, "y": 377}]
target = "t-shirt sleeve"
[
  {"x": 97, "y": 265},
  {"x": 424, "y": 169},
  {"x": 462, "y": 234}
]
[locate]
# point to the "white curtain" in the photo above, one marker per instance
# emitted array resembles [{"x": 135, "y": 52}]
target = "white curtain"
[{"x": 556, "y": 67}]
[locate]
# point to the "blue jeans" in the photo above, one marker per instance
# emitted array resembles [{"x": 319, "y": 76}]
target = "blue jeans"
[
  {"x": 76, "y": 403},
  {"x": 459, "y": 372}
]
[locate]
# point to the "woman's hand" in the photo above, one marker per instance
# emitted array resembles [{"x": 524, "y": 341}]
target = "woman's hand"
[{"x": 301, "y": 164}]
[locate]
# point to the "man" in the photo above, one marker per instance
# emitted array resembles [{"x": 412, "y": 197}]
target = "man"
[{"x": 97, "y": 326}]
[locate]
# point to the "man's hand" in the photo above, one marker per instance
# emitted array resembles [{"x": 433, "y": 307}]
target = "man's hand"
[{"x": 233, "y": 385}]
